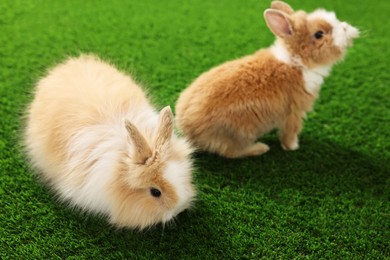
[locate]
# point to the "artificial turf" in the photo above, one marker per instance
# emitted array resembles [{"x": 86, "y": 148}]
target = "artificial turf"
[{"x": 329, "y": 199}]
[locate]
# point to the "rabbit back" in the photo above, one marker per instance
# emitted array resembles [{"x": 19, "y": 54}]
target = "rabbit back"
[
  {"x": 234, "y": 103},
  {"x": 75, "y": 134}
]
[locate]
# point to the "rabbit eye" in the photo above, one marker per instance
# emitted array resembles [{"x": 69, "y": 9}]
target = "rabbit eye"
[
  {"x": 155, "y": 192},
  {"x": 319, "y": 34}
]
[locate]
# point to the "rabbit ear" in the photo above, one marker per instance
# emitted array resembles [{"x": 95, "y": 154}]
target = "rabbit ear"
[
  {"x": 142, "y": 150},
  {"x": 278, "y": 22},
  {"x": 282, "y": 6},
  {"x": 164, "y": 129}
]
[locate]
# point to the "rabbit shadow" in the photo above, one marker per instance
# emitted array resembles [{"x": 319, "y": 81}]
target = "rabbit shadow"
[
  {"x": 318, "y": 162},
  {"x": 169, "y": 239}
]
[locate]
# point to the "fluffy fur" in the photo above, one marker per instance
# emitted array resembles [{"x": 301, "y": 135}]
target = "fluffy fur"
[
  {"x": 95, "y": 138},
  {"x": 228, "y": 107}
]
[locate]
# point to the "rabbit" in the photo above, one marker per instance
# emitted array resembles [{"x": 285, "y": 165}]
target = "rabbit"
[
  {"x": 94, "y": 137},
  {"x": 226, "y": 109}
]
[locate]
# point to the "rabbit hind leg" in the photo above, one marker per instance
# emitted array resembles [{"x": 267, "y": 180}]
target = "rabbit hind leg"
[{"x": 254, "y": 149}]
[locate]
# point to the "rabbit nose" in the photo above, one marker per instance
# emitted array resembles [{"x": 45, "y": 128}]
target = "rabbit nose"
[{"x": 350, "y": 31}]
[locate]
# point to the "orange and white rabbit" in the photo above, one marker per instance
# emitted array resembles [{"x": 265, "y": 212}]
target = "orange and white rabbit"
[
  {"x": 96, "y": 140},
  {"x": 228, "y": 107}
]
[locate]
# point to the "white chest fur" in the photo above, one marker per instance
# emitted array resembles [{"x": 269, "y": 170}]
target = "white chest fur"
[{"x": 313, "y": 78}]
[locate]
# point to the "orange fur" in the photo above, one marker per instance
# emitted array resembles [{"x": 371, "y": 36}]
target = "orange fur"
[
  {"x": 243, "y": 100},
  {"x": 312, "y": 52},
  {"x": 228, "y": 107}
]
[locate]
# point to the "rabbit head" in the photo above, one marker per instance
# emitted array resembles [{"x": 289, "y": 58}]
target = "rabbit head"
[
  {"x": 154, "y": 180},
  {"x": 315, "y": 39}
]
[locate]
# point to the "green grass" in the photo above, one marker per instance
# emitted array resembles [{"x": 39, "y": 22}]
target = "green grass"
[{"x": 329, "y": 199}]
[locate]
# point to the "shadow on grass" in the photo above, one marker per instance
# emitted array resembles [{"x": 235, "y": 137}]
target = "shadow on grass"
[
  {"x": 319, "y": 168},
  {"x": 321, "y": 164}
]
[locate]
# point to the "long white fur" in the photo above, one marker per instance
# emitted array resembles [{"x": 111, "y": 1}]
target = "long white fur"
[
  {"x": 280, "y": 52},
  {"x": 313, "y": 78},
  {"x": 172, "y": 174},
  {"x": 89, "y": 161},
  {"x": 111, "y": 140}
]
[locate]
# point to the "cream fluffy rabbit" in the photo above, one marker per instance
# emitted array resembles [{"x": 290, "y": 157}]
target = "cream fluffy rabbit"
[
  {"x": 228, "y": 107},
  {"x": 97, "y": 141}
]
